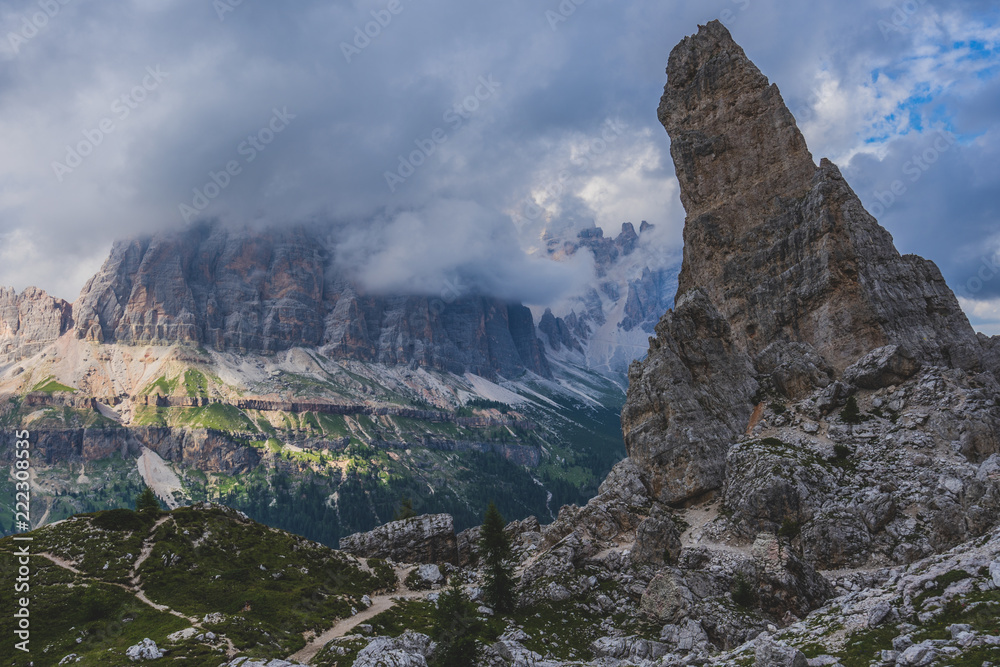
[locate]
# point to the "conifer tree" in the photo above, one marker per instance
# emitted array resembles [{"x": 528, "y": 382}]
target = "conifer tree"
[
  {"x": 456, "y": 624},
  {"x": 851, "y": 414},
  {"x": 405, "y": 510},
  {"x": 147, "y": 501},
  {"x": 497, "y": 554}
]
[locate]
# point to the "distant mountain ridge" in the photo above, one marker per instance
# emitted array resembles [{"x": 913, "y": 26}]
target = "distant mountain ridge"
[
  {"x": 606, "y": 325},
  {"x": 265, "y": 292}
]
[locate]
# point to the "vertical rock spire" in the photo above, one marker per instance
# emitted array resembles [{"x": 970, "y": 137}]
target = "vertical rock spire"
[{"x": 782, "y": 267}]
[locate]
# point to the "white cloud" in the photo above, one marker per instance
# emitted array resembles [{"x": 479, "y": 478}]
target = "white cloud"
[{"x": 983, "y": 313}]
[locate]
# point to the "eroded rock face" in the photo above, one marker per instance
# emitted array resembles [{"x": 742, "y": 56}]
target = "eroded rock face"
[
  {"x": 916, "y": 473},
  {"x": 882, "y": 367},
  {"x": 424, "y": 539},
  {"x": 777, "y": 252},
  {"x": 782, "y": 248},
  {"x": 688, "y": 401},
  {"x": 269, "y": 291},
  {"x": 30, "y": 321}
]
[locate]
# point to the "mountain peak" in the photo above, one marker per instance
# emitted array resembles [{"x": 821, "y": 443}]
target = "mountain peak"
[{"x": 786, "y": 280}]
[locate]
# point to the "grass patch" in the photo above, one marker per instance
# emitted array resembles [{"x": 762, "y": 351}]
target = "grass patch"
[
  {"x": 51, "y": 386},
  {"x": 161, "y": 386},
  {"x": 195, "y": 383}
]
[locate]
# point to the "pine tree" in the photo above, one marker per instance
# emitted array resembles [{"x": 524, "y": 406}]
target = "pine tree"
[
  {"x": 851, "y": 414},
  {"x": 497, "y": 553},
  {"x": 147, "y": 501},
  {"x": 405, "y": 510},
  {"x": 456, "y": 624}
]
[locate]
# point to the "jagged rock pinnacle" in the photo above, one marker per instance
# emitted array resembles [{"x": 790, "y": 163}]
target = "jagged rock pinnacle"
[{"x": 786, "y": 279}]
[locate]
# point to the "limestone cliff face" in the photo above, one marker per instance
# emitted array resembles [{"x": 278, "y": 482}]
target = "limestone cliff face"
[
  {"x": 268, "y": 291},
  {"x": 687, "y": 400},
  {"x": 29, "y": 321},
  {"x": 784, "y": 249},
  {"x": 801, "y": 281}
]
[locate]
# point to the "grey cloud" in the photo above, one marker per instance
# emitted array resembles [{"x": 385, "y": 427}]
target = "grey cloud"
[{"x": 353, "y": 120}]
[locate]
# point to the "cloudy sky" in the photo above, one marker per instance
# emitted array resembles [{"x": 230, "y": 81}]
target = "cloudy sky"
[{"x": 452, "y": 134}]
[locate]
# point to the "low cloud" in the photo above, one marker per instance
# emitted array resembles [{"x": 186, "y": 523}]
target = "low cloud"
[
  {"x": 538, "y": 137},
  {"x": 452, "y": 248}
]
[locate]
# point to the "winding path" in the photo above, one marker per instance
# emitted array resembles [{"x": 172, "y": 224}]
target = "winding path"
[
  {"x": 135, "y": 589},
  {"x": 380, "y": 603}
]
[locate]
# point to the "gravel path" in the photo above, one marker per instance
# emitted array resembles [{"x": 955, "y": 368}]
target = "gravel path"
[{"x": 343, "y": 627}]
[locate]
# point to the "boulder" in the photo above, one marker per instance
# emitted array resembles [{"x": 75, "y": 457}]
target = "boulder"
[
  {"x": 429, "y": 538},
  {"x": 770, "y": 653},
  {"x": 666, "y": 598},
  {"x": 410, "y": 649},
  {"x": 144, "y": 650},
  {"x": 882, "y": 367}
]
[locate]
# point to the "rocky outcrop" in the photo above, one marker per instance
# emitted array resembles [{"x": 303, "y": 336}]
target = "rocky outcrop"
[
  {"x": 606, "y": 250},
  {"x": 557, "y": 332},
  {"x": 269, "y": 291},
  {"x": 30, "y": 321},
  {"x": 634, "y": 285},
  {"x": 782, "y": 248},
  {"x": 786, "y": 280},
  {"x": 911, "y": 474},
  {"x": 991, "y": 352},
  {"x": 948, "y": 596},
  {"x": 411, "y": 649},
  {"x": 424, "y": 539}
]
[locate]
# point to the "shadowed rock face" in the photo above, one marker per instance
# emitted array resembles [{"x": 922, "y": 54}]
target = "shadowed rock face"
[
  {"x": 268, "y": 291},
  {"x": 795, "y": 278}
]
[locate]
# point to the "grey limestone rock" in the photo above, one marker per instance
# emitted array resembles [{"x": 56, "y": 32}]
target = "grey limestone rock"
[
  {"x": 782, "y": 267},
  {"x": 30, "y": 321},
  {"x": 428, "y": 539}
]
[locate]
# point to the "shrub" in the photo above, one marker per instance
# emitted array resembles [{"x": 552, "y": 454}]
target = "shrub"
[
  {"x": 851, "y": 414},
  {"x": 405, "y": 510},
  {"x": 789, "y": 528},
  {"x": 120, "y": 519},
  {"x": 841, "y": 452},
  {"x": 742, "y": 591}
]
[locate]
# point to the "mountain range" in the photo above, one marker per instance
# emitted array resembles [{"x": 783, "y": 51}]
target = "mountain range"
[{"x": 813, "y": 436}]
